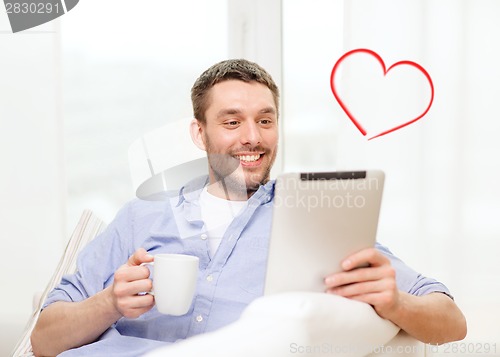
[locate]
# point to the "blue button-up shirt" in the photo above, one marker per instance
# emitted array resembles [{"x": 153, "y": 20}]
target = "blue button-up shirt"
[{"x": 227, "y": 282}]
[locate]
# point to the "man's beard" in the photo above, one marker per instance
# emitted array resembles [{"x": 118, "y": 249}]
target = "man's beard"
[{"x": 229, "y": 172}]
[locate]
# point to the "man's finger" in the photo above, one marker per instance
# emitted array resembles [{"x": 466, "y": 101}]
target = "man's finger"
[
  {"x": 131, "y": 273},
  {"x": 365, "y": 257},
  {"x": 140, "y": 256},
  {"x": 354, "y": 276}
]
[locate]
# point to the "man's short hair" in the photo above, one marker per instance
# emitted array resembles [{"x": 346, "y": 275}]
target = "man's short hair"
[{"x": 239, "y": 69}]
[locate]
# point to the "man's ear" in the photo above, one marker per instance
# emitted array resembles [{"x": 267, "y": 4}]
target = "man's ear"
[{"x": 196, "y": 130}]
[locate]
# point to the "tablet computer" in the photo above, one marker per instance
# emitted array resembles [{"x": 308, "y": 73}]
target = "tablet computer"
[{"x": 319, "y": 219}]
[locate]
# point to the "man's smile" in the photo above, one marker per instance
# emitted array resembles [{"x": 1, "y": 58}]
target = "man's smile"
[{"x": 249, "y": 159}]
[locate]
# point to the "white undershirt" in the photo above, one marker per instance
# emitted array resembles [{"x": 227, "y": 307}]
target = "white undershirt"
[{"x": 217, "y": 213}]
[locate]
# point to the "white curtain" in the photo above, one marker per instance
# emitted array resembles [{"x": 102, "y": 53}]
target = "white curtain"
[{"x": 442, "y": 197}]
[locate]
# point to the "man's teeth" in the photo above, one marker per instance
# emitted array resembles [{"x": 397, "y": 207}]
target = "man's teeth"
[{"x": 248, "y": 158}]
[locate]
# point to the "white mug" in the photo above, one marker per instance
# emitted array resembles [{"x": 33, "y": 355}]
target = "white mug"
[{"x": 174, "y": 282}]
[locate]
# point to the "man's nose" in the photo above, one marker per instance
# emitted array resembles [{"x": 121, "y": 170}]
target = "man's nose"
[{"x": 251, "y": 134}]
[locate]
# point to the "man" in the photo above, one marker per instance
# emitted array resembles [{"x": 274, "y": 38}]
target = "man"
[{"x": 235, "y": 104}]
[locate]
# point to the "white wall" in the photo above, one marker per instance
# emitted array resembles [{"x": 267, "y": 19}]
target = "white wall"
[{"x": 32, "y": 188}]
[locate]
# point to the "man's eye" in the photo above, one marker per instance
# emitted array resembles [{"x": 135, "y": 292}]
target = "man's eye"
[{"x": 232, "y": 123}]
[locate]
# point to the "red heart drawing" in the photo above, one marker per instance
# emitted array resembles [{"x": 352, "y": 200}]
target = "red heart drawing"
[{"x": 381, "y": 61}]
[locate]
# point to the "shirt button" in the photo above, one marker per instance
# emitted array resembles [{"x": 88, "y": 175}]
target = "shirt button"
[
  {"x": 199, "y": 318},
  {"x": 203, "y": 236},
  {"x": 210, "y": 278}
]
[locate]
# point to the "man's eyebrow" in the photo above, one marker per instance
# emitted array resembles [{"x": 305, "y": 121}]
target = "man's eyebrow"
[
  {"x": 232, "y": 111},
  {"x": 268, "y": 110}
]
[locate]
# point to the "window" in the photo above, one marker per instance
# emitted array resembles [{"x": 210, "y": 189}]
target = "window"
[
  {"x": 128, "y": 68},
  {"x": 312, "y": 41}
]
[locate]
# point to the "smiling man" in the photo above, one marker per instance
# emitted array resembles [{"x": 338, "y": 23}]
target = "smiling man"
[
  {"x": 225, "y": 220},
  {"x": 243, "y": 122}
]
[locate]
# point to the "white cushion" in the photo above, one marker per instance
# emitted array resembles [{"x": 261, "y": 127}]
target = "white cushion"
[{"x": 292, "y": 324}]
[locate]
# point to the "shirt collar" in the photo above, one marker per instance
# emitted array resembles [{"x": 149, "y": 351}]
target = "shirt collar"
[
  {"x": 187, "y": 200},
  {"x": 192, "y": 190}
]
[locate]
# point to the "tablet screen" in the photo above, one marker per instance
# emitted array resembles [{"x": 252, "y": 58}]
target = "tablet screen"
[{"x": 319, "y": 219}]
